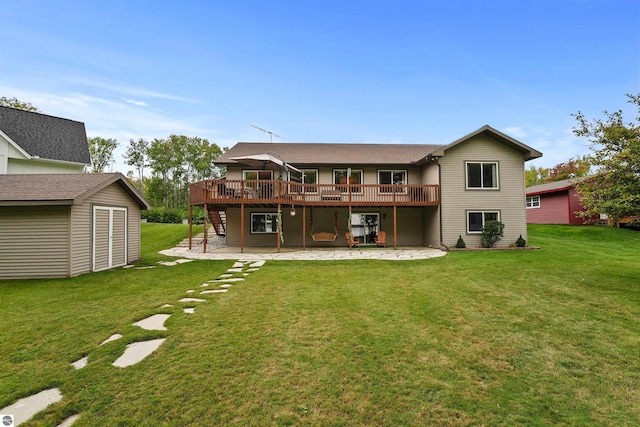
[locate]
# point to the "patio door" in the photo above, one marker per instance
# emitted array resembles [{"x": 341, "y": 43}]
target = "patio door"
[
  {"x": 365, "y": 226},
  {"x": 109, "y": 237}
]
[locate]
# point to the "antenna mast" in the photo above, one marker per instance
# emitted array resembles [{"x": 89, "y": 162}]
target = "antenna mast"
[{"x": 271, "y": 134}]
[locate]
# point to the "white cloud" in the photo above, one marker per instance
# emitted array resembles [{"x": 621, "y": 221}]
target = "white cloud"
[{"x": 138, "y": 103}]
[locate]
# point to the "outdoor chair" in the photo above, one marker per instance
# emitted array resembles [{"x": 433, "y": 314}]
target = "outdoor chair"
[
  {"x": 351, "y": 241},
  {"x": 381, "y": 239}
]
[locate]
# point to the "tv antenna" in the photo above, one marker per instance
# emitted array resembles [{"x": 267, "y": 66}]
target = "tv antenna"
[{"x": 271, "y": 134}]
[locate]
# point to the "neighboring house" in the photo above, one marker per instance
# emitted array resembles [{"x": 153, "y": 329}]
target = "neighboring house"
[
  {"x": 63, "y": 225},
  {"x": 554, "y": 203},
  {"x": 419, "y": 195},
  {"x": 35, "y": 143}
]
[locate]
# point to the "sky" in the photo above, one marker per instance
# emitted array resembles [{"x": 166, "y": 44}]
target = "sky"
[{"x": 426, "y": 72}]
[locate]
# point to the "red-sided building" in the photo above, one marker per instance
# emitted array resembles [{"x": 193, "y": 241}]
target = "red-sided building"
[{"x": 554, "y": 203}]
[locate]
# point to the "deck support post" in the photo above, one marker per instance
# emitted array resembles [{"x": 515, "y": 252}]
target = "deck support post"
[
  {"x": 395, "y": 226},
  {"x": 204, "y": 241},
  {"x": 242, "y": 217},
  {"x": 190, "y": 225},
  {"x": 304, "y": 227},
  {"x": 279, "y": 222}
]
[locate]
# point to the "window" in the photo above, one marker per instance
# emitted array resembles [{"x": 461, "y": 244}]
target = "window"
[
  {"x": 388, "y": 178},
  {"x": 477, "y": 219},
  {"x": 340, "y": 177},
  {"x": 533, "y": 202},
  {"x": 482, "y": 175},
  {"x": 308, "y": 177},
  {"x": 264, "y": 223}
]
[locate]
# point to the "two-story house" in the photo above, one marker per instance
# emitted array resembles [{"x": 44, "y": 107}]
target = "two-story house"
[
  {"x": 36, "y": 143},
  {"x": 419, "y": 195}
]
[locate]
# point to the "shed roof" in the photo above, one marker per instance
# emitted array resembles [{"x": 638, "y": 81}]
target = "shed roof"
[
  {"x": 61, "y": 189},
  {"x": 44, "y": 136},
  {"x": 551, "y": 187}
]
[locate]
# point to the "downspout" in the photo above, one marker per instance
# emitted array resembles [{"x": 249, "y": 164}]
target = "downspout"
[{"x": 440, "y": 199}]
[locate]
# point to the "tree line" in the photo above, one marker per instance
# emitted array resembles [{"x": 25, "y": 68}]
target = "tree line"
[{"x": 162, "y": 168}]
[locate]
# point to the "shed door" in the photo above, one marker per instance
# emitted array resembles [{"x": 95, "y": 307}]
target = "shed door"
[{"x": 109, "y": 237}]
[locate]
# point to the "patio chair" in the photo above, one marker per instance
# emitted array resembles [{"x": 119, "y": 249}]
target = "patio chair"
[
  {"x": 351, "y": 241},
  {"x": 381, "y": 239}
]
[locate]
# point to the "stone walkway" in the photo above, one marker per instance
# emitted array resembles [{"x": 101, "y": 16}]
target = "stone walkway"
[{"x": 315, "y": 254}]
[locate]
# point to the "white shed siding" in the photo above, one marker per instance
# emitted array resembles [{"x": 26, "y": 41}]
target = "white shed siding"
[
  {"x": 457, "y": 200},
  {"x": 34, "y": 242}
]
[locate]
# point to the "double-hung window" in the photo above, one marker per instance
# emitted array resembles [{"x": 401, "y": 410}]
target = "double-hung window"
[
  {"x": 477, "y": 219},
  {"x": 533, "y": 202},
  {"x": 482, "y": 175},
  {"x": 388, "y": 178},
  {"x": 264, "y": 223}
]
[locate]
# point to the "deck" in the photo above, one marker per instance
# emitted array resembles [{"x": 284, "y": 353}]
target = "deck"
[{"x": 226, "y": 193}]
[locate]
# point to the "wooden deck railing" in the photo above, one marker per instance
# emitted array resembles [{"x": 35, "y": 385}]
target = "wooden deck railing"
[{"x": 234, "y": 192}]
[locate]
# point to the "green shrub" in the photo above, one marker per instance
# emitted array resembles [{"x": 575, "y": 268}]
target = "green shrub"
[
  {"x": 162, "y": 215},
  {"x": 521, "y": 243},
  {"x": 460, "y": 244},
  {"x": 492, "y": 232}
]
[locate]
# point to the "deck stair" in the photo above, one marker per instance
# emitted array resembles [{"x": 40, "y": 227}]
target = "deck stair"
[{"x": 218, "y": 222}]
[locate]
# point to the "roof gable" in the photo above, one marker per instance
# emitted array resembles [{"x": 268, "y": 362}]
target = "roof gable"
[
  {"x": 528, "y": 152},
  {"x": 45, "y": 137},
  {"x": 61, "y": 189}
]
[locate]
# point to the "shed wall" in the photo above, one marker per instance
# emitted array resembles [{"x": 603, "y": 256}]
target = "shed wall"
[{"x": 34, "y": 242}]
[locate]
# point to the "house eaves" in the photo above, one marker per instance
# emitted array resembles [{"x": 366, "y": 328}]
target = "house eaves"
[{"x": 528, "y": 152}]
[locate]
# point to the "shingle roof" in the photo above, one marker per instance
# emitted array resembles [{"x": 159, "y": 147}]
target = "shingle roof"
[
  {"x": 332, "y": 153},
  {"x": 550, "y": 187},
  {"x": 44, "y": 136},
  {"x": 60, "y": 189}
]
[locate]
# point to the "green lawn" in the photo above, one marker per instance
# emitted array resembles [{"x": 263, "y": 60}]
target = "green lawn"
[{"x": 543, "y": 337}]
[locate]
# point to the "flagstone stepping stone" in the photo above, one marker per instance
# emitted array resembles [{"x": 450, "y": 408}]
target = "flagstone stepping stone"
[
  {"x": 167, "y": 305},
  {"x": 226, "y": 275},
  {"x": 69, "y": 421},
  {"x": 24, "y": 409},
  {"x": 245, "y": 274},
  {"x": 237, "y": 264},
  {"x": 234, "y": 270},
  {"x": 80, "y": 363},
  {"x": 183, "y": 260},
  {"x": 146, "y": 267},
  {"x": 190, "y": 291},
  {"x": 251, "y": 270},
  {"x": 192, "y": 300},
  {"x": 111, "y": 338},
  {"x": 204, "y": 284},
  {"x": 190, "y": 310},
  {"x": 129, "y": 266},
  {"x": 137, "y": 352},
  {"x": 256, "y": 264},
  {"x": 167, "y": 263},
  {"x": 231, "y": 279},
  {"x": 214, "y": 291},
  {"x": 153, "y": 323},
  {"x": 226, "y": 285}
]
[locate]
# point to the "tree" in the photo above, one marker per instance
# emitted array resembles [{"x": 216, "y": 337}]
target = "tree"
[
  {"x": 536, "y": 175},
  {"x": 572, "y": 168},
  {"x": 16, "y": 103},
  {"x": 136, "y": 156},
  {"x": 614, "y": 189},
  {"x": 101, "y": 151}
]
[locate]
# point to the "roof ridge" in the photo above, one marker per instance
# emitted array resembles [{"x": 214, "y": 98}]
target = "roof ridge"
[{"x": 41, "y": 113}]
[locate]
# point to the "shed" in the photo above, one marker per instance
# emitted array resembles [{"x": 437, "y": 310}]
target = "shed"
[
  {"x": 63, "y": 225},
  {"x": 554, "y": 203}
]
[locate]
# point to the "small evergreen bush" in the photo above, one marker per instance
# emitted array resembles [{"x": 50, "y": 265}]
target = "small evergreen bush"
[
  {"x": 521, "y": 243},
  {"x": 460, "y": 244},
  {"x": 492, "y": 233}
]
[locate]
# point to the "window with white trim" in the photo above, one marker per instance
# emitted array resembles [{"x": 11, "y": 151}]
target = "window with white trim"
[
  {"x": 482, "y": 175},
  {"x": 388, "y": 178},
  {"x": 533, "y": 202},
  {"x": 308, "y": 177},
  {"x": 477, "y": 219},
  {"x": 262, "y": 223}
]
